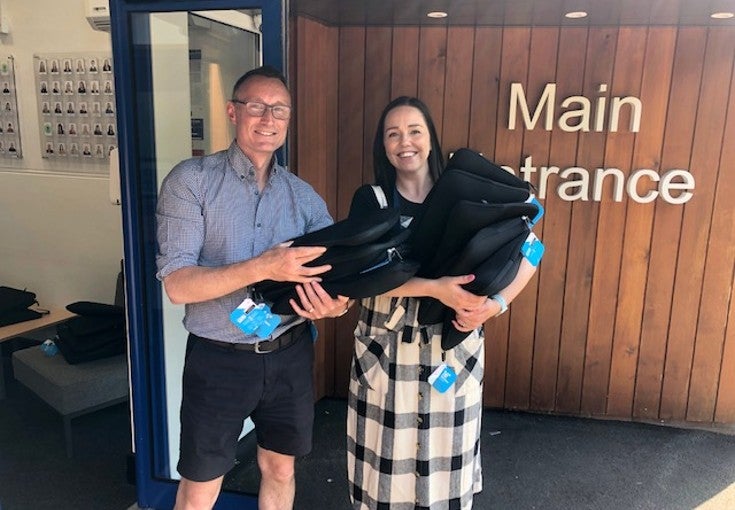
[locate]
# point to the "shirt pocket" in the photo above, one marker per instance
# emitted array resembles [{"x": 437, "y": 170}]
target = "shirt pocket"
[
  {"x": 372, "y": 358},
  {"x": 469, "y": 363}
]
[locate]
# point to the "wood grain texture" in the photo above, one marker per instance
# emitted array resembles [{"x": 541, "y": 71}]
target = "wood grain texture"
[
  {"x": 630, "y": 314},
  {"x": 695, "y": 227}
]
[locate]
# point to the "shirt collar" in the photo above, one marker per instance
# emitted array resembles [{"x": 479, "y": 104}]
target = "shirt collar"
[{"x": 244, "y": 168}]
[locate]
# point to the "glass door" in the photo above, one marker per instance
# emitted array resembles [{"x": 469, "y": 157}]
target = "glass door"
[{"x": 175, "y": 65}]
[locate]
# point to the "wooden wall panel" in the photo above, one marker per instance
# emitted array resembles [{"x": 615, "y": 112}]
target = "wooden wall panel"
[
  {"x": 349, "y": 176},
  {"x": 555, "y": 224},
  {"x": 581, "y": 236},
  {"x": 608, "y": 244},
  {"x": 676, "y": 153},
  {"x": 656, "y": 78},
  {"x": 599, "y": 60},
  {"x": 513, "y": 68},
  {"x": 315, "y": 122},
  {"x": 458, "y": 88},
  {"x": 584, "y": 224},
  {"x": 485, "y": 82},
  {"x": 625, "y": 80},
  {"x": 630, "y": 315},
  {"x": 725, "y": 405},
  {"x": 707, "y": 142},
  {"x": 541, "y": 70},
  {"x": 351, "y": 98},
  {"x": 405, "y": 64},
  {"x": 432, "y": 71},
  {"x": 378, "y": 42},
  {"x": 718, "y": 265}
]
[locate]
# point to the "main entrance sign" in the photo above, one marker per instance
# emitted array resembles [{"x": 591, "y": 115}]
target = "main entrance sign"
[{"x": 582, "y": 114}]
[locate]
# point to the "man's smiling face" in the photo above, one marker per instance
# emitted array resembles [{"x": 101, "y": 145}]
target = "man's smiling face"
[{"x": 259, "y": 137}]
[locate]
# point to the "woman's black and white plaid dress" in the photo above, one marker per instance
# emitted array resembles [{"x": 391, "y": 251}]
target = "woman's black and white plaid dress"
[{"x": 410, "y": 447}]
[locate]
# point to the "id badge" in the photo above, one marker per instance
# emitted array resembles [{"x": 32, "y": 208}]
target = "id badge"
[
  {"x": 241, "y": 318},
  {"x": 442, "y": 378},
  {"x": 268, "y": 325},
  {"x": 533, "y": 249},
  {"x": 254, "y": 318}
]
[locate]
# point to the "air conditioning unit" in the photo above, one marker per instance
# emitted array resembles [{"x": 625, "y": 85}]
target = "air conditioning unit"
[{"x": 98, "y": 14}]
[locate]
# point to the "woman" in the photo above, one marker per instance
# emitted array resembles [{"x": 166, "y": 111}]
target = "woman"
[{"x": 408, "y": 444}]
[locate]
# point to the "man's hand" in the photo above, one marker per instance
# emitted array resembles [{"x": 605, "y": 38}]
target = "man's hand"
[
  {"x": 314, "y": 302},
  {"x": 287, "y": 264}
]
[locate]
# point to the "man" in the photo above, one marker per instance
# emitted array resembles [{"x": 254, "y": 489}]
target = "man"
[{"x": 222, "y": 225}]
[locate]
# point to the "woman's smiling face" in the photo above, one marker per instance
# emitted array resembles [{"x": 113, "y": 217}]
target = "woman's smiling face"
[{"x": 406, "y": 139}]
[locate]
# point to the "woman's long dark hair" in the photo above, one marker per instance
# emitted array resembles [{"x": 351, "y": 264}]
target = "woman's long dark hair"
[{"x": 385, "y": 173}]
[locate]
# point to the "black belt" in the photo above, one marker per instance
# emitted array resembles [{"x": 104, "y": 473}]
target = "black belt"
[{"x": 263, "y": 347}]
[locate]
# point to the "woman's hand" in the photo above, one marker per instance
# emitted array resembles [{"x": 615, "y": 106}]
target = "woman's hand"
[
  {"x": 467, "y": 320},
  {"x": 315, "y": 303},
  {"x": 449, "y": 290}
]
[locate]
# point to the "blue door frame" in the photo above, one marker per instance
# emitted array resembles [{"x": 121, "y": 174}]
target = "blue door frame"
[{"x": 133, "y": 93}]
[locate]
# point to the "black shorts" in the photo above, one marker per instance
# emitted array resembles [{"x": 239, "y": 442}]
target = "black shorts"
[{"x": 222, "y": 387}]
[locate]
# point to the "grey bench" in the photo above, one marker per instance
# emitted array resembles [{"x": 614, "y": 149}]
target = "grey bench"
[{"x": 72, "y": 390}]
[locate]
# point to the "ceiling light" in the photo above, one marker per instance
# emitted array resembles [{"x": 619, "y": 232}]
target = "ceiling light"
[
  {"x": 576, "y": 14},
  {"x": 437, "y": 14},
  {"x": 721, "y": 15}
]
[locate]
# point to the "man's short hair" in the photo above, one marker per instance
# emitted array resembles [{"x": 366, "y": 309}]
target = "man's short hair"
[{"x": 264, "y": 71}]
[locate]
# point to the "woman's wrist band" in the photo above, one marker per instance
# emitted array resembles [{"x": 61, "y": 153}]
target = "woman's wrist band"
[
  {"x": 502, "y": 302},
  {"x": 347, "y": 309}
]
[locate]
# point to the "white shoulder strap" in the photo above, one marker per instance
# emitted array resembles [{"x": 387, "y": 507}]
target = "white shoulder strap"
[{"x": 380, "y": 195}]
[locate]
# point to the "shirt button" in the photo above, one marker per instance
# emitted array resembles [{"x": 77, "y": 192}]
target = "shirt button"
[
  {"x": 421, "y": 395},
  {"x": 257, "y": 225},
  {"x": 419, "y": 420},
  {"x": 257, "y": 192}
]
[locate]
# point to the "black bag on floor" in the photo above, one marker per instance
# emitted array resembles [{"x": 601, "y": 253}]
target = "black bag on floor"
[
  {"x": 98, "y": 331},
  {"x": 14, "y": 306}
]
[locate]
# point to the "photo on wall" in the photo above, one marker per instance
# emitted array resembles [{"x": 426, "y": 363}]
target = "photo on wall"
[
  {"x": 10, "y": 147},
  {"x": 76, "y": 107}
]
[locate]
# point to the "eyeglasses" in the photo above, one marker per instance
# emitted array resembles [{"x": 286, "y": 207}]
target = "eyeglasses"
[{"x": 256, "y": 109}]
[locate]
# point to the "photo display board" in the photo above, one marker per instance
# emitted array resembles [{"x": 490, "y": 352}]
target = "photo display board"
[
  {"x": 76, "y": 106},
  {"x": 9, "y": 129}
]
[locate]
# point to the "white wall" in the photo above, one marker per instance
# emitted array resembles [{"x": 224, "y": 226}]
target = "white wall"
[{"x": 59, "y": 234}]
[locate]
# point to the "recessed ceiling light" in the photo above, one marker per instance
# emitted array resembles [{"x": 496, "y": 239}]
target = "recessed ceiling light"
[
  {"x": 437, "y": 14},
  {"x": 576, "y": 14},
  {"x": 722, "y": 15}
]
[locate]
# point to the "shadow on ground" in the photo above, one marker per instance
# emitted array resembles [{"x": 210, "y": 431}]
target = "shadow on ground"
[{"x": 535, "y": 461}]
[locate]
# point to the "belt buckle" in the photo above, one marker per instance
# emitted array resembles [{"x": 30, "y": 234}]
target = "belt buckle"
[{"x": 257, "y": 348}]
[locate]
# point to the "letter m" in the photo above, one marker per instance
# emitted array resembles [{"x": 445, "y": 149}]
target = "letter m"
[{"x": 518, "y": 98}]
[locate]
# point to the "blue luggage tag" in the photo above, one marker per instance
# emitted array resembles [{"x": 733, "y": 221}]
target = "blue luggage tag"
[
  {"x": 269, "y": 324},
  {"x": 442, "y": 378},
  {"x": 532, "y": 249},
  {"x": 249, "y": 316},
  {"x": 533, "y": 200}
]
